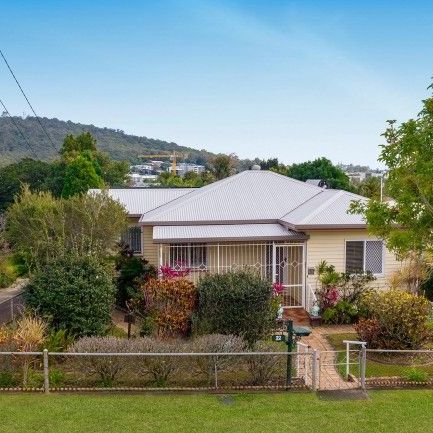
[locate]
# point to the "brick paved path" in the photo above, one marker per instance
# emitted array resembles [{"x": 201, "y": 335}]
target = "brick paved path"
[{"x": 328, "y": 376}]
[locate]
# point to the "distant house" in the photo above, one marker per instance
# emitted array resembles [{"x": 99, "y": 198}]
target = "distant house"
[{"x": 260, "y": 220}]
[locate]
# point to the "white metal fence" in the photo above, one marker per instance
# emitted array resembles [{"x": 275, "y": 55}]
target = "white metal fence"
[{"x": 280, "y": 263}]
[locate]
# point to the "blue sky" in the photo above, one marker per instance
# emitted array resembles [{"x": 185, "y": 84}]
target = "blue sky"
[{"x": 288, "y": 79}]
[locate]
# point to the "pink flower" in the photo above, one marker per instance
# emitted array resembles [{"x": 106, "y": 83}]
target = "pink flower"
[
  {"x": 278, "y": 289},
  {"x": 168, "y": 272}
]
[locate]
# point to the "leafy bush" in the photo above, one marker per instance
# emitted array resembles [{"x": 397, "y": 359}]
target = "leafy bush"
[
  {"x": 394, "y": 319},
  {"x": 339, "y": 293},
  {"x": 170, "y": 304},
  {"x": 343, "y": 312},
  {"x": 263, "y": 368},
  {"x": 238, "y": 303},
  {"x": 58, "y": 341},
  {"x": 215, "y": 343},
  {"x": 107, "y": 368},
  {"x": 73, "y": 293},
  {"x": 133, "y": 271},
  {"x": 416, "y": 375}
]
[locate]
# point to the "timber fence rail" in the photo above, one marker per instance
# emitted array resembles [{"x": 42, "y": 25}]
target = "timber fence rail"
[{"x": 72, "y": 371}]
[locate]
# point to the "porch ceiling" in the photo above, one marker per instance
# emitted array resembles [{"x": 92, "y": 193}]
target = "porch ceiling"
[{"x": 225, "y": 232}]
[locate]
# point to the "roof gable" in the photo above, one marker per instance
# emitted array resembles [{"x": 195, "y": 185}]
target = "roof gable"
[{"x": 250, "y": 196}]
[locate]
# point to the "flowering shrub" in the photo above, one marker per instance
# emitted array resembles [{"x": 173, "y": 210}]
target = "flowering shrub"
[
  {"x": 168, "y": 304},
  {"x": 338, "y": 293},
  {"x": 167, "y": 272},
  {"x": 394, "y": 319}
]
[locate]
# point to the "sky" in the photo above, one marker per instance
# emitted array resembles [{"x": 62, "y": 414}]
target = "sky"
[{"x": 289, "y": 79}]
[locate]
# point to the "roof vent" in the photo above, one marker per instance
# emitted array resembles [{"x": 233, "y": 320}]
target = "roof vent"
[
  {"x": 256, "y": 167},
  {"x": 318, "y": 182}
]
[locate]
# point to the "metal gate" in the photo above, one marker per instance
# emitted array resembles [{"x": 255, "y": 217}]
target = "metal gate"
[
  {"x": 289, "y": 271},
  {"x": 341, "y": 369}
]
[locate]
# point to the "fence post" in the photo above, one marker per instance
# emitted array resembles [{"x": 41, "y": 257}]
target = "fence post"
[
  {"x": 46, "y": 373},
  {"x": 363, "y": 365},
  {"x": 347, "y": 360},
  {"x": 216, "y": 371},
  {"x": 314, "y": 370}
]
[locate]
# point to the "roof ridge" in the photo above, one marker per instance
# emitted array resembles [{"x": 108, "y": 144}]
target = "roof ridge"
[
  {"x": 198, "y": 191},
  {"x": 302, "y": 204},
  {"x": 323, "y": 206},
  {"x": 292, "y": 179}
]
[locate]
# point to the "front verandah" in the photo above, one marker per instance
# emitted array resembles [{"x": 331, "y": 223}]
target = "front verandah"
[{"x": 281, "y": 263}]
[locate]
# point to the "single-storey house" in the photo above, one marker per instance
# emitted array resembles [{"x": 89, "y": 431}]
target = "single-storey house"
[{"x": 261, "y": 220}]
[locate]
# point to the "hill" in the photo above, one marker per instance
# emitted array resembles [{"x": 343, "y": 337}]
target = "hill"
[{"x": 115, "y": 142}]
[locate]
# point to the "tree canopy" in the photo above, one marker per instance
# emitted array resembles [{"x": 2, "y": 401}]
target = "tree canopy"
[
  {"x": 320, "y": 168},
  {"x": 406, "y": 222},
  {"x": 41, "y": 228}
]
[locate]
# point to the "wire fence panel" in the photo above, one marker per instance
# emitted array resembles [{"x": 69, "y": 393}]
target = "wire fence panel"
[
  {"x": 397, "y": 368},
  {"x": 152, "y": 371}
]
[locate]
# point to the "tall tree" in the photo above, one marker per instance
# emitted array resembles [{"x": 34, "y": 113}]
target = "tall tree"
[
  {"x": 27, "y": 171},
  {"x": 41, "y": 228},
  {"x": 224, "y": 166},
  {"x": 80, "y": 176},
  {"x": 406, "y": 222},
  {"x": 320, "y": 168}
]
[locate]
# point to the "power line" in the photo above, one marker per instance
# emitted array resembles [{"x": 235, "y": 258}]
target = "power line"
[
  {"x": 19, "y": 129},
  {"x": 28, "y": 102}
]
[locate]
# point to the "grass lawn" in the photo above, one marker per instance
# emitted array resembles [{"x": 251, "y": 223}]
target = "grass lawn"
[
  {"x": 381, "y": 366},
  {"x": 386, "y": 411}
]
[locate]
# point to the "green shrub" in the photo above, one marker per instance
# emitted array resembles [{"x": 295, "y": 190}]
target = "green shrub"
[
  {"x": 416, "y": 375},
  {"x": 73, "y": 293},
  {"x": 394, "y": 319},
  {"x": 132, "y": 272},
  {"x": 238, "y": 303},
  {"x": 342, "y": 312},
  {"x": 7, "y": 380},
  {"x": 58, "y": 341}
]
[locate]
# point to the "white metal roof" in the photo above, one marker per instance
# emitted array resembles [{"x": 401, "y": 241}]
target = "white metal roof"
[
  {"x": 327, "y": 209},
  {"x": 138, "y": 201},
  {"x": 225, "y": 232},
  {"x": 248, "y": 197}
]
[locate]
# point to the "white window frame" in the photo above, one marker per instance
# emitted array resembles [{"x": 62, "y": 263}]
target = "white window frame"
[{"x": 381, "y": 274}]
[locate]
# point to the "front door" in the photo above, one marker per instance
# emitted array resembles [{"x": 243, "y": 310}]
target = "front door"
[{"x": 289, "y": 269}]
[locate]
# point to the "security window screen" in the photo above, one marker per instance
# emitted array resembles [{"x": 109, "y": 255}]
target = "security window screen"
[
  {"x": 354, "y": 256},
  {"x": 132, "y": 237},
  {"x": 188, "y": 256},
  {"x": 364, "y": 256}
]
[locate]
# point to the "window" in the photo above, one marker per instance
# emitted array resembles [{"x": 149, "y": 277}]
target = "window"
[
  {"x": 190, "y": 256},
  {"x": 364, "y": 256},
  {"x": 132, "y": 237}
]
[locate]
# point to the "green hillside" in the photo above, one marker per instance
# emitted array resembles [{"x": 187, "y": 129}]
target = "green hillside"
[{"x": 113, "y": 141}]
